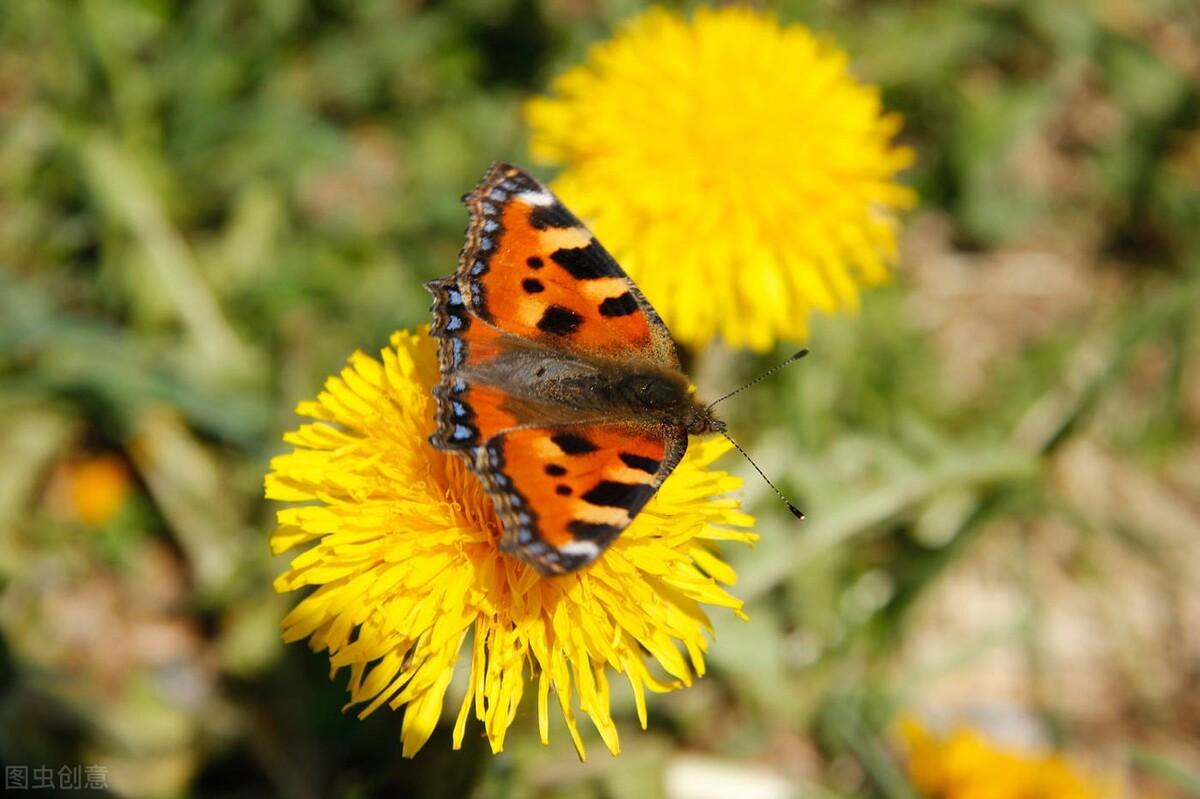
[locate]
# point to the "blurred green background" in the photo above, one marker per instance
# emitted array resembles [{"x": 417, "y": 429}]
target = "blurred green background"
[{"x": 206, "y": 206}]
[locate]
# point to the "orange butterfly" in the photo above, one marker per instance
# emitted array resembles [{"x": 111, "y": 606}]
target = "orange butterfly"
[{"x": 560, "y": 385}]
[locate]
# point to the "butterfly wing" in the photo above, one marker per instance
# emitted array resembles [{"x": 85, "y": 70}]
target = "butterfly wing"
[
  {"x": 565, "y": 493},
  {"x": 530, "y": 275},
  {"x": 531, "y": 269}
]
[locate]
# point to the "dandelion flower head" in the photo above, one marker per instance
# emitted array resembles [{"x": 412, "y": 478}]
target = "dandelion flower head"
[
  {"x": 965, "y": 765},
  {"x": 402, "y": 551},
  {"x": 96, "y": 487},
  {"x": 733, "y": 166}
]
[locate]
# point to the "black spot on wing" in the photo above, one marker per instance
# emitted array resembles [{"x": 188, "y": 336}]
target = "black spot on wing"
[
  {"x": 640, "y": 462},
  {"x": 562, "y": 490},
  {"x": 623, "y": 305},
  {"x": 559, "y": 321},
  {"x": 591, "y": 531},
  {"x": 586, "y": 263},
  {"x": 572, "y": 444},
  {"x": 532, "y": 285},
  {"x": 609, "y": 493},
  {"x": 554, "y": 470},
  {"x": 535, "y": 262},
  {"x": 553, "y": 215}
]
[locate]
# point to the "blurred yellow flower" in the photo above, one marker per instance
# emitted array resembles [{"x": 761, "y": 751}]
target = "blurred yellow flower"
[
  {"x": 408, "y": 568},
  {"x": 965, "y": 765},
  {"x": 734, "y": 167},
  {"x": 97, "y": 487}
]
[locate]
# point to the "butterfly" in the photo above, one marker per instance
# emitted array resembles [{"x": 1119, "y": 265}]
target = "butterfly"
[{"x": 560, "y": 386}]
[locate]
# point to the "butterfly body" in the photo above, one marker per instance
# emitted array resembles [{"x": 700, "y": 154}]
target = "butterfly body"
[{"x": 560, "y": 386}]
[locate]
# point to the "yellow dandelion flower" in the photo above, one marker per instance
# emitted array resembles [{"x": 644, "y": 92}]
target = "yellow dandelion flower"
[
  {"x": 407, "y": 569},
  {"x": 965, "y": 765},
  {"x": 734, "y": 167},
  {"x": 97, "y": 488}
]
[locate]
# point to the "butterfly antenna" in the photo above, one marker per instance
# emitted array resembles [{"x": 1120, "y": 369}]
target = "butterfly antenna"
[
  {"x": 755, "y": 381},
  {"x": 795, "y": 511}
]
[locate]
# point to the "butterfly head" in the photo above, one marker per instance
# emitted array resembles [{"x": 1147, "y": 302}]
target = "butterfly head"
[{"x": 702, "y": 422}]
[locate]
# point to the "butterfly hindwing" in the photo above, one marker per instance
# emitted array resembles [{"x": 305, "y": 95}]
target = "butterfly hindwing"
[{"x": 564, "y": 493}]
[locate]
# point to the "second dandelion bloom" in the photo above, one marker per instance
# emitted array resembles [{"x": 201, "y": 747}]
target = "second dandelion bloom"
[{"x": 733, "y": 166}]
